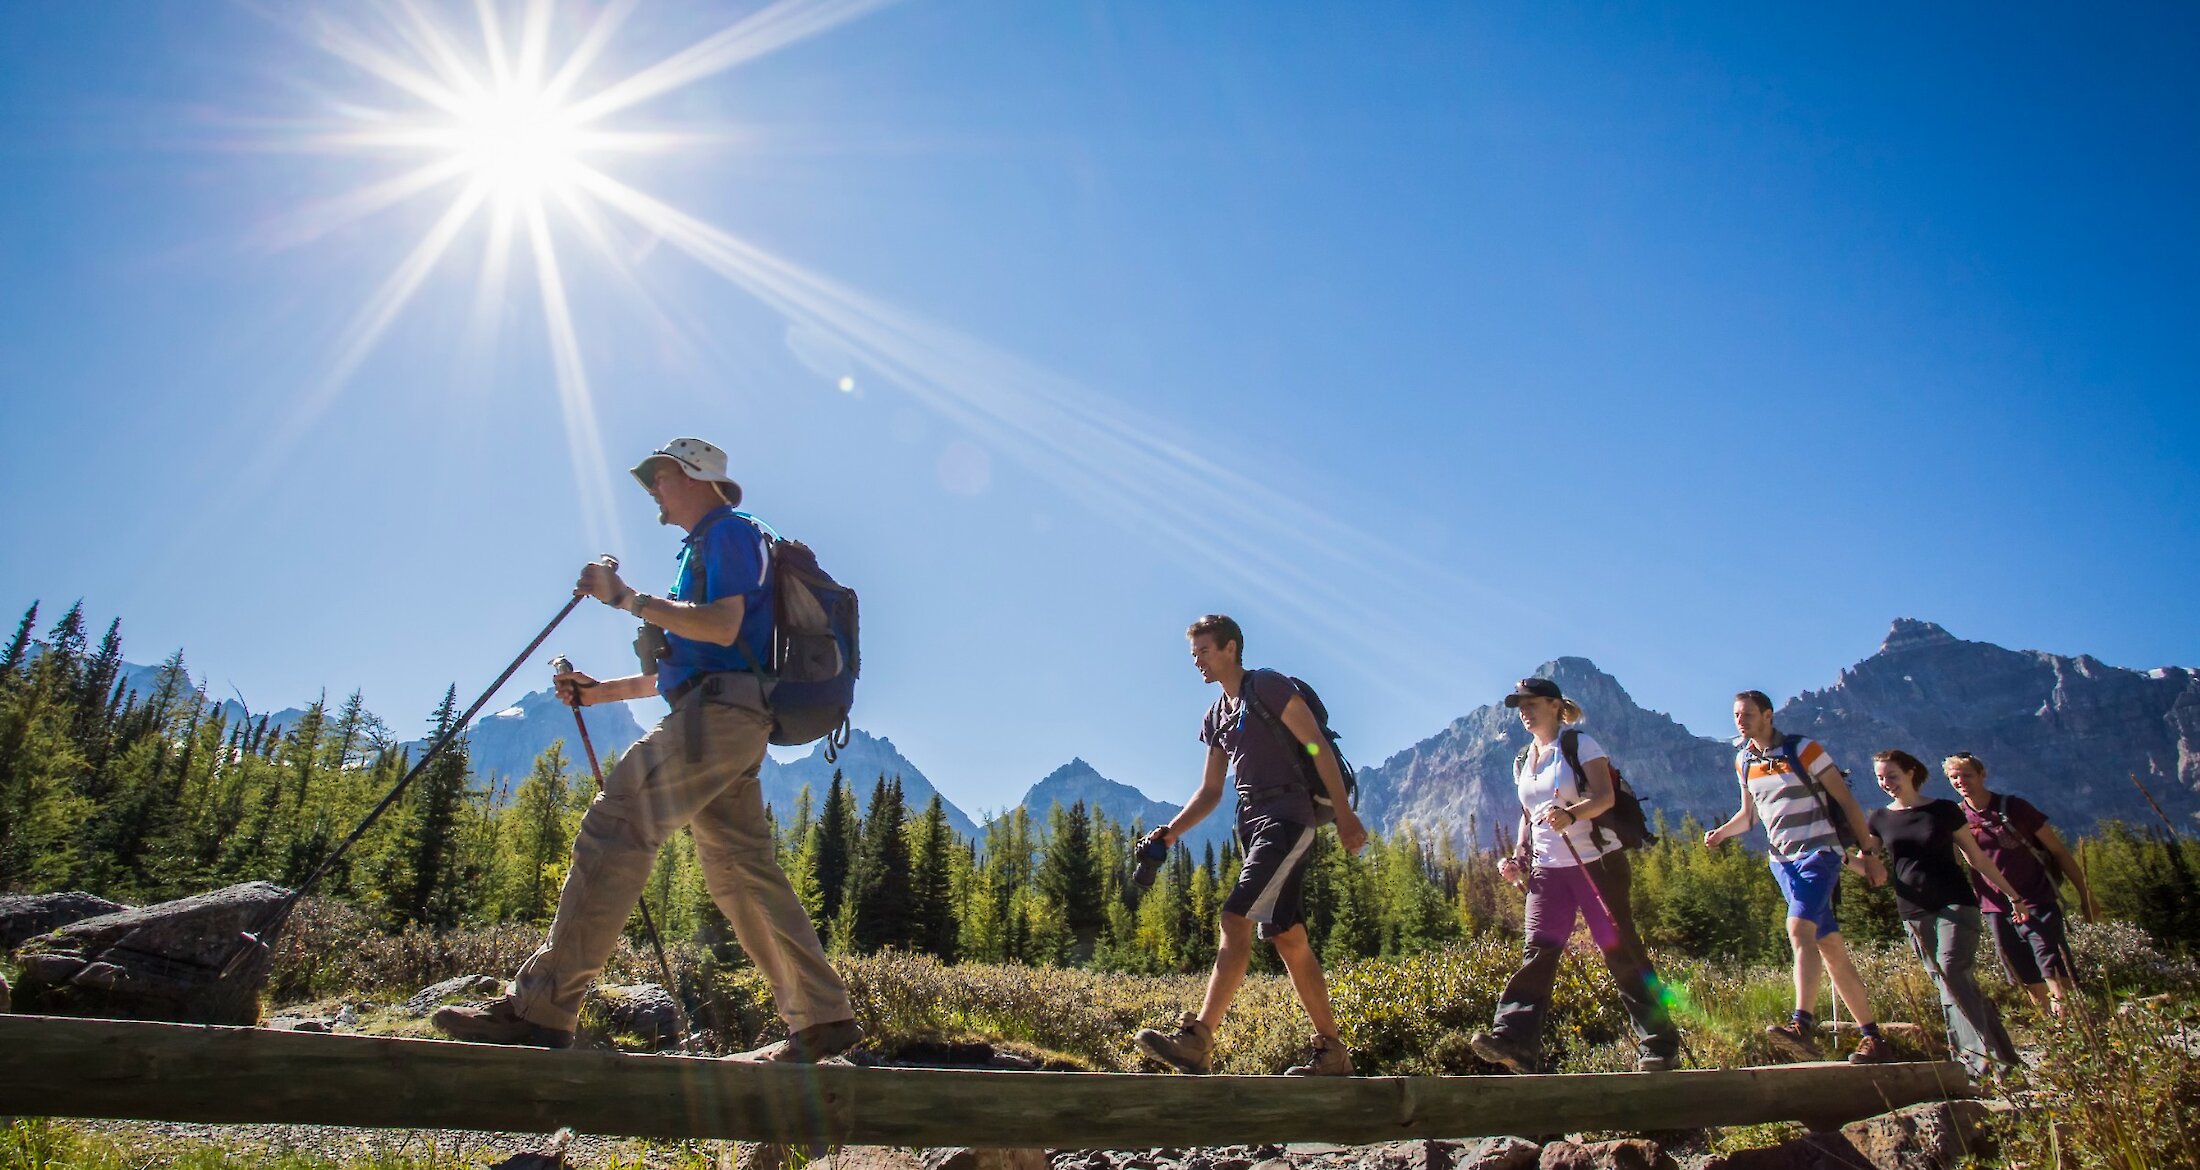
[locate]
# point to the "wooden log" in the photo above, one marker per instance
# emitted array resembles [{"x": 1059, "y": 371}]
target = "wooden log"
[{"x": 55, "y": 1067}]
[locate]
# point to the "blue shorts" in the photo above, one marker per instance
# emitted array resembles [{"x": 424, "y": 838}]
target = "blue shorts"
[{"x": 1812, "y": 884}]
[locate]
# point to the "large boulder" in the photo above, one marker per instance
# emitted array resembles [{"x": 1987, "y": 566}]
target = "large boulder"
[
  {"x": 25, "y": 916},
  {"x": 1932, "y": 1136},
  {"x": 161, "y": 962},
  {"x": 1625, "y": 1154},
  {"x": 645, "y": 1011}
]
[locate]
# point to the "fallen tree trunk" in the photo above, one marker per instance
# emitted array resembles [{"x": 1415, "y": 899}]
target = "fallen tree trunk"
[{"x": 57, "y": 1067}]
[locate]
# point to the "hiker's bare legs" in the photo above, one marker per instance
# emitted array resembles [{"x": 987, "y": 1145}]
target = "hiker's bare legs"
[
  {"x": 2060, "y": 991},
  {"x": 1231, "y": 959},
  {"x": 1846, "y": 982},
  {"x": 1306, "y": 978},
  {"x": 1803, "y": 943}
]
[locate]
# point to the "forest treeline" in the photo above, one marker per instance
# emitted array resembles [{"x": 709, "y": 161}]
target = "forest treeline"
[{"x": 142, "y": 796}]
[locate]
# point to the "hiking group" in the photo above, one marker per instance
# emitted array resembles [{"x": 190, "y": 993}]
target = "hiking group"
[{"x": 754, "y": 644}]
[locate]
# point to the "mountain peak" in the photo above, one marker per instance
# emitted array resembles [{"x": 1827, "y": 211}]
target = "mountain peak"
[{"x": 1912, "y": 634}]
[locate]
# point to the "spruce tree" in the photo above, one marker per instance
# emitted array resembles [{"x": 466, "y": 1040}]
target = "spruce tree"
[
  {"x": 429, "y": 849},
  {"x": 826, "y": 855},
  {"x": 14, "y": 660},
  {"x": 1069, "y": 877},
  {"x": 932, "y": 848},
  {"x": 879, "y": 883}
]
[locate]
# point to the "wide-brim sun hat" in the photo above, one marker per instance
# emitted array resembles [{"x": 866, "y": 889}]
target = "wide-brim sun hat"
[{"x": 699, "y": 459}]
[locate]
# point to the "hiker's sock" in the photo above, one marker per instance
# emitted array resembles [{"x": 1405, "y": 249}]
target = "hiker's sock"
[
  {"x": 1806, "y": 1021},
  {"x": 1868, "y": 1029}
]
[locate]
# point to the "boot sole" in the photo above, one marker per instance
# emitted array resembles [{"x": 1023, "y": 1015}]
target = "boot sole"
[
  {"x": 1509, "y": 1061},
  {"x": 1148, "y": 1047}
]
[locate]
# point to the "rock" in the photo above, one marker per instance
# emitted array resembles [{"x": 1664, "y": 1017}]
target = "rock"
[
  {"x": 1502, "y": 1153},
  {"x": 550, "y": 1156},
  {"x": 460, "y": 987},
  {"x": 1922, "y": 1137},
  {"x": 1627, "y": 1154},
  {"x": 2060, "y": 731},
  {"x": 347, "y": 1016},
  {"x": 161, "y": 962},
  {"x": 24, "y": 916},
  {"x": 970, "y": 1158},
  {"x": 641, "y": 1009},
  {"x": 1273, "y": 1164}
]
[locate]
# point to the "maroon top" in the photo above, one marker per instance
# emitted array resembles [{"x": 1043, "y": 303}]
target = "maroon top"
[{"x": 2008, "y": 831}]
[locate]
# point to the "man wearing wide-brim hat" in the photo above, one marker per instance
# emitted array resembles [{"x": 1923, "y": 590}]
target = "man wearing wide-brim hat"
[{"x": 698, "y": 767}]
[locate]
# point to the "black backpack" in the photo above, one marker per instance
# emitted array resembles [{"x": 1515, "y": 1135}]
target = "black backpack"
[
  {"x": 1325, "y": 811},
  {"x": 1624, "y": 822}
]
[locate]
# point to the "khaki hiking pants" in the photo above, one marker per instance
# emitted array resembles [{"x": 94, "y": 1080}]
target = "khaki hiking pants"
[{"x": 656, "y": 788}]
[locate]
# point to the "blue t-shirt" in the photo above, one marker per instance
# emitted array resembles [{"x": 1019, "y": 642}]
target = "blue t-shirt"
[
  {"x": 1270, "y": 782},
  {"x": 733, "y": 558}
]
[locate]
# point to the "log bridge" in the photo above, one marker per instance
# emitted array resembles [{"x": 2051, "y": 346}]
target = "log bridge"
[{"x": 66, "y": 1067}]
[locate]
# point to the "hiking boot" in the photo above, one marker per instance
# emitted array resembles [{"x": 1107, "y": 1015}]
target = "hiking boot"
[
  {"x": 1653, "y": 1062},
  {"x": 1872, "y": 1050},
  {"x": 808, "y": 1046},
  {"x": 1510, "y": 1055},
  {"x": 497, "y": 1021},
  {"x": 1792, "y": 1041},
  {"x": 1328, "y": 1057},
  {"x": 1189, "y": 1049}
]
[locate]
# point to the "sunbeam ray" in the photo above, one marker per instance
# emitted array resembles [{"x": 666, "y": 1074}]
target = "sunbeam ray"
[
  {"x": 773, "y": 28},
  {"x": 342, "y": 42},
  {"x": 591, "y": 475},
  {"x": 315, "y": 220},
  {"x": 1299, "y": 561},
  {"x": 590, "y": 47}
]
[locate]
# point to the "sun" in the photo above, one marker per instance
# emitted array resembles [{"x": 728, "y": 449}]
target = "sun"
[{"x": 519, "y": 142}]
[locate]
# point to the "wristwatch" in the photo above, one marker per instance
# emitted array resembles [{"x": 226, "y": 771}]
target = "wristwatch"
[{"x": 635, "y": 599}]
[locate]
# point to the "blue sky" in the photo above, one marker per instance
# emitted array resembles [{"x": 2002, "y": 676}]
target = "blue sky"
[{"x": 1430, "y": 341}]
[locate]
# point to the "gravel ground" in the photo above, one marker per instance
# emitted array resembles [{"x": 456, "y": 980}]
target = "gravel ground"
[{"x": 161, "y": 1142}]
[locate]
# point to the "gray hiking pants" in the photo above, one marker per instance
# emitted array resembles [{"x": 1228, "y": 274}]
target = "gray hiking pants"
[{"x": 1947, "y": 940}]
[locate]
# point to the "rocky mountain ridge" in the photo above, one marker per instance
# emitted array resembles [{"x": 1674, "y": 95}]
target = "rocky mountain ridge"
[{"x": 2068, "y": 733}]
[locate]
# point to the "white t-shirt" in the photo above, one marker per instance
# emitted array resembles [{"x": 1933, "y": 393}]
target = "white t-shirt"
[{"x": 1545, "y": 777}]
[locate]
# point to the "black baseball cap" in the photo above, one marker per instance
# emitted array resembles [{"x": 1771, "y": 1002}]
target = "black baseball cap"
[{"x": 1533, "y": 688}]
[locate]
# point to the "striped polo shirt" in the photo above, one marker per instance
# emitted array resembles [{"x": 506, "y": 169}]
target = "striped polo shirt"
[{"x": 1796, "y": 820}]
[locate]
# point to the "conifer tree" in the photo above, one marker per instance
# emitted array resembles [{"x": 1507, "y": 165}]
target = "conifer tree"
[
  {"x": 1069, "y": 876},
  {"x": 879, "y": 887},
  {"x": 826, "y": 854},
  {"x": 428, "y": 851},
  {"x": 14, "y": 659},
  {"x": 933, "y": 852},
  {"x": 538, "y": 838}
]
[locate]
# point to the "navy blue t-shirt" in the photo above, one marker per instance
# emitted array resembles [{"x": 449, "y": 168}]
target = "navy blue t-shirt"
[
  {"x": 1269, "y": 779},
  {"x": 734, "y": 558}
]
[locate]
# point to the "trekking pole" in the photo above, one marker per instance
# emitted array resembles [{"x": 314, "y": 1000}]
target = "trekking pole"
[
  {"x": 564, "y": 665},
  {"x": 251, "y": 943},
  {"x": 1641, "y": 956}
]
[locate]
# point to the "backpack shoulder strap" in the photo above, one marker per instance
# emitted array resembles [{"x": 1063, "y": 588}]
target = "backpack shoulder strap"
[{"x": 1569, "y": 745}]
